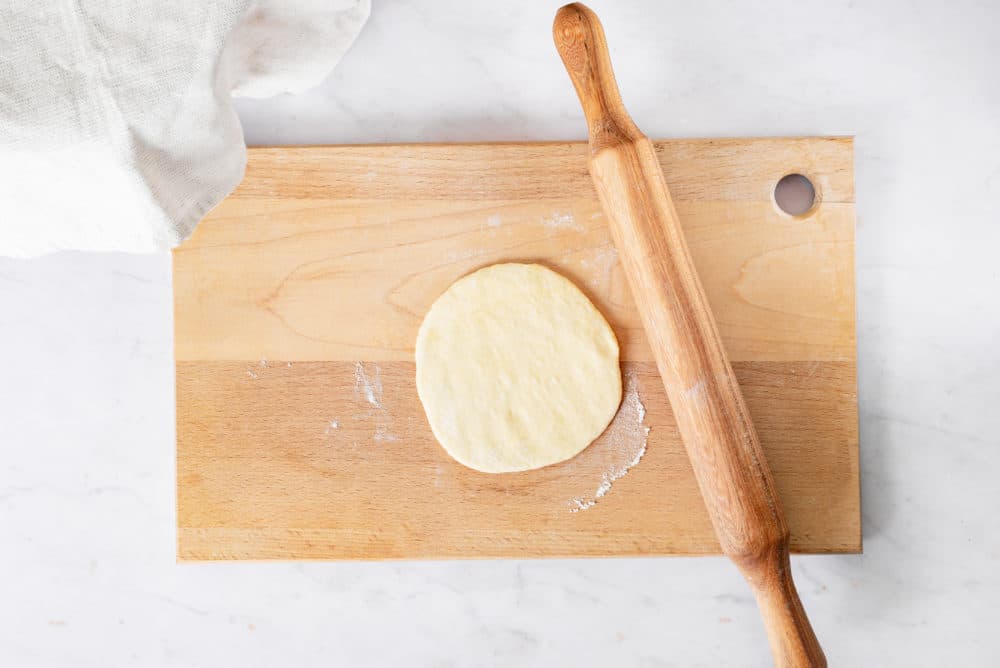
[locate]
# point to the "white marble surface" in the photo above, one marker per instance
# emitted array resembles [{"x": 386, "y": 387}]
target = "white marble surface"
[{"x": 87, "y": 573}]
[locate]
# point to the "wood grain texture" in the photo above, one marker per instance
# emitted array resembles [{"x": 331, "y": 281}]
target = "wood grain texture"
[
  {"x": 712, "y": 417},
  {"x": 261, "y": 475},
  {"x": 329, "y": 256},
  {"x": 249, "y": 280}
]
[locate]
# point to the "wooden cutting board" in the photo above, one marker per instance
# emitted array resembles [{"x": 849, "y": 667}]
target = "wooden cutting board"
[{"x": 299, "y": 431}]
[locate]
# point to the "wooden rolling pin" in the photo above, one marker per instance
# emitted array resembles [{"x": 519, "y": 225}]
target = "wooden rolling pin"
[{"x": 714, "y": 424}]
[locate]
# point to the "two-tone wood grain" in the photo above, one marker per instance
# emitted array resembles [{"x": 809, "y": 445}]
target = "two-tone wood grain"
[{"x": 329, "y": 256}]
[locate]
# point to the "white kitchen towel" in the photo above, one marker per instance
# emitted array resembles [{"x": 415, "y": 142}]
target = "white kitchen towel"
[{"x": 117, "y": 130}]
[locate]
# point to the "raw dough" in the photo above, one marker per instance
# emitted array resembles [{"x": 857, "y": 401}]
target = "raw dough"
[{"x": 516, "y": 369}]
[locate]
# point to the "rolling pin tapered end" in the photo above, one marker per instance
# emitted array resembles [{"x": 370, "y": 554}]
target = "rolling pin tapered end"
[{"x": 579, "y": 39}]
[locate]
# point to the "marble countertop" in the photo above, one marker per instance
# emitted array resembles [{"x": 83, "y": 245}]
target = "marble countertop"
[{"x": 87, "y": 572}]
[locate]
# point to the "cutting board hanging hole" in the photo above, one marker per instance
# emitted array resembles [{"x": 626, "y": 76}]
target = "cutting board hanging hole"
[{"x": 795, "y": 195}]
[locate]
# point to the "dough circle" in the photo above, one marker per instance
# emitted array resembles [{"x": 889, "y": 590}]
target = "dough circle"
[{"x": 516, "y": 369}]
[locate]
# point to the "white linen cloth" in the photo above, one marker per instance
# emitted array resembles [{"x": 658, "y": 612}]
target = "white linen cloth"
[{"x": 117, "y": 130}]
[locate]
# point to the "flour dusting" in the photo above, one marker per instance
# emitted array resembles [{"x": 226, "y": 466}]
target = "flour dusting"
[
  {"x": 599, "y": 264},
  {"x": 494, "y": 220},
  {"x": 254, "y": 370},
  {"x": 383, "y": 434},
  {"x": 368, "y": 389},
  {"x": 557, "y": 220},
  {"x": 605, "y": 259},
  {"x": 627, "y": 435},
  {"x": 334, "y": 424}
]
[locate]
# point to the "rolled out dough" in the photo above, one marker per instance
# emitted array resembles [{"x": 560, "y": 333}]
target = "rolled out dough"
[{"x": 516, "y": 369}]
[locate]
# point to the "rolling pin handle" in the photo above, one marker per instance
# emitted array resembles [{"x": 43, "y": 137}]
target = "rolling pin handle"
[
  {"x": 580, "y": 41},
  {"x": 790, "y": 635}
]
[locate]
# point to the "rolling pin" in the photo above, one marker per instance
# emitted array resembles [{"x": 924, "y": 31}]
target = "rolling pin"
[{"x": 712, "y": 418}]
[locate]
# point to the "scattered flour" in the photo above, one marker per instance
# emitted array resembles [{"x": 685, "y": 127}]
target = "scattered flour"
[
  {"x": 371, "y": 388},
  {"x": 254, "y": 371},
  {"x": 603, "y": 260},
  {"x": 627, "y": 435},
  {"x": 564, "y": 221},
  {"x": 599, "y": 264},
  {"x": 334, "y": 424},
  {"x": 368, "y": 388},
  {"x": 383, "y": 434},
  {"x": 494, "y": 220}
]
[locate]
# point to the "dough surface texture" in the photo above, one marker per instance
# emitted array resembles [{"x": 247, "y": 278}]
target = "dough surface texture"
[{"x": 516, "y": 369}]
